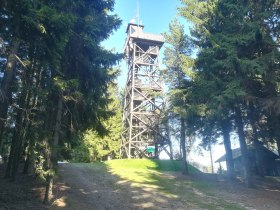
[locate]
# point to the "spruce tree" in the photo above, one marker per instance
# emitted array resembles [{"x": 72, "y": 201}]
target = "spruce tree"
[
  {"x": 235, "y": 46},
  {"x": 177, "y": 61}
]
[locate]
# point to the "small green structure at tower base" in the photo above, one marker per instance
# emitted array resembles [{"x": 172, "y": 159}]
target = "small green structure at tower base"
[{"x": 150, "y": 149}]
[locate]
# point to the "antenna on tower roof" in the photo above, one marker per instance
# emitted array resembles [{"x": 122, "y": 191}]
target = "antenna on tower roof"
[{"x": 138, "y": 14}]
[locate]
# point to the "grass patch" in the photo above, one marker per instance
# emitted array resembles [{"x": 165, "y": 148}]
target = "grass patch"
[
  {"x": 158, "y": 165},
  {"x": 141, "y": 164},
  {"x": 149, "y": 174}
]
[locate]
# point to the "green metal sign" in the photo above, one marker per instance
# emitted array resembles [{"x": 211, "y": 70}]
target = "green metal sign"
[{"x": 150, "y": 149}]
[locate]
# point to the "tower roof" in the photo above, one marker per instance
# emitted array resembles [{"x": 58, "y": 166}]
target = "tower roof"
[
  {"x": 135, "y": 33},
  {"x": 133, "y": 24}
]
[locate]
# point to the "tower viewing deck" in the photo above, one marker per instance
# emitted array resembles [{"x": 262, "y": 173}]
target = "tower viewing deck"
[{"x": 135, "y": 31}]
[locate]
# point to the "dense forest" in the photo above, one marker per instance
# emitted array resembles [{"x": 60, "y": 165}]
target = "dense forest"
[
  {"x": 55, "y": 80},
  {"x": 58, "y": 94}
]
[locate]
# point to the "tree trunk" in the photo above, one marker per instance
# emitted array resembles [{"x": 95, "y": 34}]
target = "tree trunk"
[
  {"x": 257, "y": 144},
  {"x": 21, "y": 125},
  {"x": 31, "y": 140},
  {"x": 243, "y": 147},
  {"x": 54, "y": 152},
  {"x": 14, "y": 155},
  {"x": 169, "y": 141},
  {"x": 1, "y": 138},
  {"x": 259, "y": 157},
  {"x": 156, "y": 151},
  {"x": 6, "y": 86},
  {"x": 17, "y": 138},
  {"x": 211, "y": 159},
  {"x": 183, "y": 146},
  {"x": 278, "y": 143},
  {"x": 10, "y": 158},
  {"x": 49, "y": 187},
  {"x": 227, "y": 144},
  {"x": 171, "y": 149},
  {"x": 26, "y": 164},
  {"x": 30, "y": 154},
  {"x": 277, "y": 133}
]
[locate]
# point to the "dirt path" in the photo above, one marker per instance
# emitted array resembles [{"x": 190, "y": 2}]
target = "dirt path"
[
  {"x": 88, "y": 188},
  {"x": 98, "y": 189},
  {"x": 264, "y": 196},
  {"x": 95, "y": 187}
]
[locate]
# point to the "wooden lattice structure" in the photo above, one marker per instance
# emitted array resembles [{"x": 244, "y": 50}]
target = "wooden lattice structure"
[{"x": 143, "y": 127}]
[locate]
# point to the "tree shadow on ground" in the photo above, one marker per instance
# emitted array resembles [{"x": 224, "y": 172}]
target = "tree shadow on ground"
[
  {"x": 24, "y": 193},
  {"x": 98, "y": 186}
]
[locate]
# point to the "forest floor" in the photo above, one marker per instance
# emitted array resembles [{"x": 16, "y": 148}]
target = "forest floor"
[{"x": 101, "y": 186}]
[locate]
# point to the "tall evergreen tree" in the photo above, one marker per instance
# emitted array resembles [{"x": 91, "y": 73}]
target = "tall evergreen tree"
[
  {"x": 83, "y": 79},
  {"x": 176, "y": 57},
  {"x": 96, "y": 147},
  {"x": 234, "y": 44},
  {"x": 56, "y": 76}
]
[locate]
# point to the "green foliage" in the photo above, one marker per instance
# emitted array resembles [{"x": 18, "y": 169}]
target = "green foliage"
[
  {"x": 96, "y": 147},
  {"x": 237, "y": 66},
  {"x": 59, "y": 84},
  {"x": 80, "y": 153},
  {"x": 176, "y": 56},
  {"x": 179, "y": 76},
  {"x": 234, "y": 50}
]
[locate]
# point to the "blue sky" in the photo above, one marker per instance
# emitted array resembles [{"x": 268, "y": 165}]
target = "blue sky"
[{"x": 155, "y": 15}]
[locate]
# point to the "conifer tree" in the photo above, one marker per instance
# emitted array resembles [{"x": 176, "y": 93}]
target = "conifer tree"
[
  {"x": 177, "y": 60},
  {"x": 56, "y": 77},
  {"x": 235, "y": 45},
  {"x": 96, "y": 147}
]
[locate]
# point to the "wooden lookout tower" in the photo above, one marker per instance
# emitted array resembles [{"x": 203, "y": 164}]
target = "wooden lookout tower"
[{"x": 144, "y": 133}]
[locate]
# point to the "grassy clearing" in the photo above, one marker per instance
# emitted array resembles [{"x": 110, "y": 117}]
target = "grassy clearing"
[
  {"x": 146, "y": 172},
  {"x": 158, "y": 175},
  {"x": 158, "y": 165}
]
